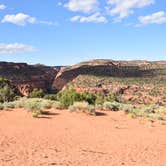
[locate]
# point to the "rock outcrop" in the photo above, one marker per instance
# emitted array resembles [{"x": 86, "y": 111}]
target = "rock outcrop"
[
  {"x": 110, "y": 68},
  {"x": 27, "y": 77}
]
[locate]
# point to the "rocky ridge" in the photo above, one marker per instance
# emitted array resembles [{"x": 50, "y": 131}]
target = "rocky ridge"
[{"x": 27, "y": 77}]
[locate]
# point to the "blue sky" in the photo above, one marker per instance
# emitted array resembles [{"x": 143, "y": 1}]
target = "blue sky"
[{"x": 65, "y": 32}]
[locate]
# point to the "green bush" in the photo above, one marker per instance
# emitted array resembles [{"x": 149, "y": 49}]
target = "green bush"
[
  {"x": 37, "y": 93},
  {"x": 88, "y": 97},
  {"x": 6, "y": 91},
  {"x": 68, "y": 97}
]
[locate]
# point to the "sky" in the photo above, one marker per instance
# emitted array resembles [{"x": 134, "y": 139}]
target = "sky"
[{"x": 65, "y": 32}]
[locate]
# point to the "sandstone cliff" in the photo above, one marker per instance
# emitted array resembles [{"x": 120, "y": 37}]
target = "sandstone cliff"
[
  {"x": 27, "y": 77},
  {"x": 110, "y": 68}
]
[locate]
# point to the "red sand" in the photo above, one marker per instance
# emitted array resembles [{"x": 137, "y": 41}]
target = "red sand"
[{"x": 70, "y": 139}]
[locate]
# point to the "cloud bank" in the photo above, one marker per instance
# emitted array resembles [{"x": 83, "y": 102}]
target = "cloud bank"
[
  {"x": 15, "y": 48},
  {"x": 155, "y": 18}
]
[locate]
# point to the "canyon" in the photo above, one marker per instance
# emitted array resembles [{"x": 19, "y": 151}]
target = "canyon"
[{"x": 27, "y": 77}]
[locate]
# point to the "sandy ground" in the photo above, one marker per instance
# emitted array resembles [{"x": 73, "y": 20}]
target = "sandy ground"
[{"x": 72, "y": 139}]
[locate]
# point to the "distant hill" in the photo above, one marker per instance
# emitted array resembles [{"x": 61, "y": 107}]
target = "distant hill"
[{"x": 87, "y": 75}]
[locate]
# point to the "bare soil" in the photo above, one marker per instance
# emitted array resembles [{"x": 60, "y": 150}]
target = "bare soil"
[{"x": 62, "y": 138}]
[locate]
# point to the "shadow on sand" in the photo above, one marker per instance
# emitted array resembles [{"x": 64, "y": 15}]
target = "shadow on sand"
[
  {"x": 47, "y": 115},
  {"x": 101, "y": 114}
]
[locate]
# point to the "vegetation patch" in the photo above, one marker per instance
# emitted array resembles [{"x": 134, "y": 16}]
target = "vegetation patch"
[
  {"x": 6, "y": 91},
  {"x": 83, "y": 107}
]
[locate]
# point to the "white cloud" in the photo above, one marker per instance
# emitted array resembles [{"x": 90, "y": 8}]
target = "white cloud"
[
  {"x": 19, "y": 19},
  {"x": 124, "y": 8},
  {"x": 155, "y": 18},
  {"x": 49, "y": 23},
  {"x": 84, "y": 6},
  {"x": 22, "y": 19},
  {"x": 96, "y": 18},
  {"x": 2, "y": 7},
  {"x": 15, "y": 48}
]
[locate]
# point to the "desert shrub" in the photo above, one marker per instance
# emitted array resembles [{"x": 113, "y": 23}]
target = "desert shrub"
[
  {"x": 34, "y": 106},
  {"x": 20, "y": 103},
  {"x": 82, "y": 107},
  {"x": 111, "y": 106},
  {"x": 68, "y": 97},
  {"x": 37, "y": 93},
  {"x": 127, "y": 108},
  {"x": 145, "y": 110},
  {"x": 46, "y": 104},
  {"x": 8, "y": 105},
  {"x": 151, "y": 108},
  {"x": 57, "y": 105},
  {"x": 50, "y": 97},
  {"x": 88, "y": 97},
  {"x": 6, "y": 91},
  {"x": 154, "y": 116},
  {"x": 149, "y": 111}
]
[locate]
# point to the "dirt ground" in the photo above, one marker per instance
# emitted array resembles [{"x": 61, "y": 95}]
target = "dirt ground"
[{"x": 72, "y": 139}]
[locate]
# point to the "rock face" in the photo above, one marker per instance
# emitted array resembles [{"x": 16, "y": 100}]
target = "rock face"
[
  {"x": 110, "y": 68},
  {"x": 27, "y": 77}
]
